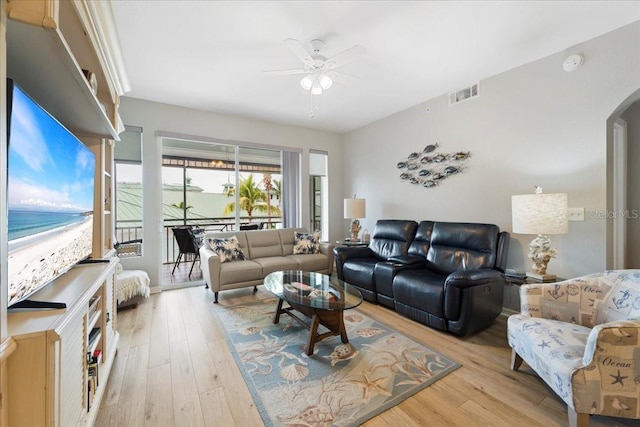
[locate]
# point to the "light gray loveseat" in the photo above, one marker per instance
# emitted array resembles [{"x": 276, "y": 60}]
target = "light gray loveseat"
[{"x": 265, "y": 251}]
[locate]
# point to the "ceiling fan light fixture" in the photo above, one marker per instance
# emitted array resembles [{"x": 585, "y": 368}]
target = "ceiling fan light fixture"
[
  {"x": 325, "y": 81},
  {"x": 316, "y": 87},
  {"x": 307, "y": 82}
]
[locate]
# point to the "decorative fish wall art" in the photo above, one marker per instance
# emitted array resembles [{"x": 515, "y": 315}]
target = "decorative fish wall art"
[{"x": 429, "y": 168}]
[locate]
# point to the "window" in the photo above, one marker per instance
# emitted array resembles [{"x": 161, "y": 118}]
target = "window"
[{"x": 128, "y": 192}]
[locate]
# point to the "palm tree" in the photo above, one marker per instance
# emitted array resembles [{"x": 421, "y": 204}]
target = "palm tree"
[
  {"x": 252, "y": 198},
  {"x": 266, "y": 180},
  {"x": 180, "y": 205}
]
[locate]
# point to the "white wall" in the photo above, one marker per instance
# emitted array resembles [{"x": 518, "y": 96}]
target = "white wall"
[
  {"x": 154, "y": 117},
  {"x": 533, "y": 125}
]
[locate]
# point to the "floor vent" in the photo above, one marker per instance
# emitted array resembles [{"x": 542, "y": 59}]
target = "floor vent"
[{"x": 464, "y": 94}]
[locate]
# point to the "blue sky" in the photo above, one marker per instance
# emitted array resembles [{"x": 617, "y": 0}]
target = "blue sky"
[{"x": 49, "y": 169}]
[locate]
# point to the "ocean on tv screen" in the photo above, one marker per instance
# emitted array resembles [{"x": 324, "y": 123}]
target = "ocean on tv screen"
[{"x": 50, "y": 197}]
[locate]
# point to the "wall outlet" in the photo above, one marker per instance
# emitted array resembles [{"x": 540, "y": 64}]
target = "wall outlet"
[{"x": 575, "y": 214}]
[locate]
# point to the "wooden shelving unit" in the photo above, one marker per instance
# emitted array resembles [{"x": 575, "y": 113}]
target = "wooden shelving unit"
[
  {"x": 50, "y": 380},
  {"x": 45, "y": 357},
  {"x": 49, "y": 43}
]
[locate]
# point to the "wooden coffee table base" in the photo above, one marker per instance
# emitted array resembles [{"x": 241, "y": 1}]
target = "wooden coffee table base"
[{"x": 330, "y": 319}]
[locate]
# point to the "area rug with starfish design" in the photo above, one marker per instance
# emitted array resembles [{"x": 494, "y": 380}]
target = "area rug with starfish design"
[{"x": 341, "y": 384}]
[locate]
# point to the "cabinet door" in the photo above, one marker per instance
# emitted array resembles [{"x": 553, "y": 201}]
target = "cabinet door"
[
  {"x": 71, "y": 377},
  {"x": 110, "y": 316}
]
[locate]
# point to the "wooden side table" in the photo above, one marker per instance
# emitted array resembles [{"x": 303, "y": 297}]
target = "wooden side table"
[{"x": 512, "y": 290}]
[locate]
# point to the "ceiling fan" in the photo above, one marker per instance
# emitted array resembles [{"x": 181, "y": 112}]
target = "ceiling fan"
[{"x": 320, "y": 71}]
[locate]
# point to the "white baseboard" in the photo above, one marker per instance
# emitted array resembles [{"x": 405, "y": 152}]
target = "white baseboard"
[
  {"x": 506, "y": 312},
  {"x": 180, "y": 285}
]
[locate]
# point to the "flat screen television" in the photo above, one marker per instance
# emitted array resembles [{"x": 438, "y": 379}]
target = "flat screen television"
[{"x": 50, "y": 189}]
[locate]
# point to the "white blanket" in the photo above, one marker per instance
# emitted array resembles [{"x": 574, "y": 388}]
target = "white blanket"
[{"x": 130, "y": 283}]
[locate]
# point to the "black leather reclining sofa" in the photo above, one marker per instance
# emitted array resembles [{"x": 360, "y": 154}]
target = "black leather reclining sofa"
[{"x": 443, "y": 274}]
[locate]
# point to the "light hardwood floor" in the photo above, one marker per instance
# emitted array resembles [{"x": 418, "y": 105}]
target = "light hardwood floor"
[{"x": 174, "y": 369}]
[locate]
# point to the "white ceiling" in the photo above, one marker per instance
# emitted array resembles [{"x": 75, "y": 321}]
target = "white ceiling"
[{"x": 210, "y": 55}]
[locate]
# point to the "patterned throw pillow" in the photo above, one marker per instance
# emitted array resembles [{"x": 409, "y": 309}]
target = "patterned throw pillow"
[
  {"x": 306, "y": 243},
  {"x": 227, "y": 249}
]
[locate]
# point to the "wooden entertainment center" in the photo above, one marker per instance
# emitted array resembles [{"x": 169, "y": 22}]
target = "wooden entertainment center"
[
  {"x": 51, "y": 377},
  {"x": 54, "y": 364}
]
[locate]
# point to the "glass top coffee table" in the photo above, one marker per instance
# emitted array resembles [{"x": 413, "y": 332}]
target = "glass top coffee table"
[{"x": 321, "y": 298}]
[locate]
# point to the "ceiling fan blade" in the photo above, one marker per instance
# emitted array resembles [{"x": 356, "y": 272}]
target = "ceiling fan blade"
[
  {"x": 299, "y": 50},
  {"x": 283, "y": 72},
  {"x": 342, "y": 78},
  {"x": 345, "y": 57}
]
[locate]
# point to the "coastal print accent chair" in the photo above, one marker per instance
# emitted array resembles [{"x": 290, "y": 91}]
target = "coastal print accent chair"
[{"x": 582, "y": 337}]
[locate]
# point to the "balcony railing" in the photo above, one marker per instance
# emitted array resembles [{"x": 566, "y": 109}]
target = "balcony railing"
[{"x": 128, "y": 231}]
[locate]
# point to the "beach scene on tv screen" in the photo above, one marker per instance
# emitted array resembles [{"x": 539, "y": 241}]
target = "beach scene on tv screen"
[{"x": 49, "y": 196}]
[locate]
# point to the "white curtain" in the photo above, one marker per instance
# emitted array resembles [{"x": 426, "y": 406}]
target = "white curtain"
[{"x": 291, "y": 191}]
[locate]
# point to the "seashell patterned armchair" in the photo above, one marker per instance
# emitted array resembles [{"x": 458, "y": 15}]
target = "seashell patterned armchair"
[{"x": 582, "y": 337}]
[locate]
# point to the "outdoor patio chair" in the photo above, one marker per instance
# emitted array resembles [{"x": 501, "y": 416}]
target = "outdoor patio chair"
[{"x": 187, "y": 244}]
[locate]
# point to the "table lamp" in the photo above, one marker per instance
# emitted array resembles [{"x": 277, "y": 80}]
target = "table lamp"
[
  {"x": 354, "y": 208},
  {"x": 540, "y": 214}
]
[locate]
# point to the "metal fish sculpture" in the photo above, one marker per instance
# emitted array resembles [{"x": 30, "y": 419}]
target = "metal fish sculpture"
[
  {"x": 424, "y": 172},
  {"x": 412, "y": 166},
  {"x": 430, "y": 148},
  {"x": 401, "y": 165},
  {"x": 404, "y": 176},
  {"x": 413, "y": 156},
  {"x": 460, "y": 155},
  {"x": 429, "y": 183},
  {"x": 451, "y": 170}
]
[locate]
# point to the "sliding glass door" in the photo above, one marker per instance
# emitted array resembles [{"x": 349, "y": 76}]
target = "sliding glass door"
[
  {"x": 318, "y": 193},
  {"x": 209, "y": 186}
]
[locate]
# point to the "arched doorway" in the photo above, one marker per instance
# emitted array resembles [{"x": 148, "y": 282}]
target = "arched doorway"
[{"x": 623, "y": 185}]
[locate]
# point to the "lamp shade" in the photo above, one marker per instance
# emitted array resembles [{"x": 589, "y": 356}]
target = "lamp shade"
[
  {"x": 354, "y": 208},
  {"x": 540, "y": 213},
  {"x": 307, "y": 82}
]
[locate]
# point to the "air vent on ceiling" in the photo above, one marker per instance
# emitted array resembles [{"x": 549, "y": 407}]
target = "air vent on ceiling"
[{"x": 464, "y": 94}]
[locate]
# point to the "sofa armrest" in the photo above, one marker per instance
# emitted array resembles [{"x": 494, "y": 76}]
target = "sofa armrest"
[
  {"x": 467, "y": 278},
  {"x": 610, "y": 369},
  {"x": 346, "y": 252},
  {"x": 619, "y": 339},
  {"x": 210, "y": 265},
  {"x": 472, "y": 299},
  {"x": 326, "y": 248},
  {"x": 384, "y": 273},
  {"x": 343, "y": 253}
]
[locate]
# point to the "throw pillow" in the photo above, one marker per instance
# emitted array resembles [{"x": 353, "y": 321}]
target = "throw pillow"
[
  {"x": 304, "y": 243},
  {"x": 227, "y": 249}
]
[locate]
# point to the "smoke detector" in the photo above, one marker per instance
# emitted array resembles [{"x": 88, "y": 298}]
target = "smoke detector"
[{"x": 572, "y": 62}]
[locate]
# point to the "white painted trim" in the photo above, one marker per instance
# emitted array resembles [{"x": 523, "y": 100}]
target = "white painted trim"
[
  {"x": 107, "y": 43},
  {"x": 619, "y": 194},
  {"x": 244, "y": 144},
  {"x": 506, "y": 312},
  {"x": 172, "y": 286}
]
